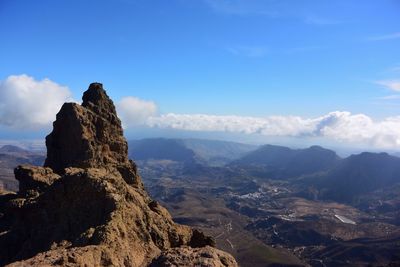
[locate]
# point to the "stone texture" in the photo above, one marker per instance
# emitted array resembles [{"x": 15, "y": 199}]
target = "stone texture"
[
  {"x": 188, "y": 257},
  {"x": 88, "y": 207},
  {"x": 33, "y": 180},
  {"x": 89, "y": 136}
]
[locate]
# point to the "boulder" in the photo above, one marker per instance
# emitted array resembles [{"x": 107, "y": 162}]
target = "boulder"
[
  {"x": 33, "y": 179},
  {"x": 188, "y": 257}
]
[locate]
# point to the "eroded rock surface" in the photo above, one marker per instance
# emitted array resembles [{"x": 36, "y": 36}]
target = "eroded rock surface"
[
  {"x": 188, "y": 257},
  {"x": 33, "y": 180},
  {"x": 87, "y": 205},
  {"x": 90, "y": 136}
]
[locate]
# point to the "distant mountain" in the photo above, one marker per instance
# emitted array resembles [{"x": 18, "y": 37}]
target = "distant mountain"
[
  {"x": 278, "y": 162},
  {"x": 285, "y": 197},
  {"x": 12, "y": 149},
  {"x": 218, "y": 153},
  {"x": 207, "y": 152},
  {"x": 314, "y": 168},
  {"x": 396, "y": 154},
  {"x": 12, "y": 156},
  {"x": 357, "y": 175},
  {"x": 160, "y": 149}
]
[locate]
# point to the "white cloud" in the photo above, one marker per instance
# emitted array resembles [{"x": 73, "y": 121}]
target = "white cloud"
[
  {"x": 337, "y": 126},
  {"x": 391, "y": 36},
  {"x": 134, "y": 111},
  {"x": 274, "y": 125},
  {"x": 393, "y": 85},
  {"x": 29, "y": 103},
  {"x": 26, "y": 103}
]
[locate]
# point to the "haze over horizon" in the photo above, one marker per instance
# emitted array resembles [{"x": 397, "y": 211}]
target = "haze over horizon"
[{"x": 296, "y": 73}]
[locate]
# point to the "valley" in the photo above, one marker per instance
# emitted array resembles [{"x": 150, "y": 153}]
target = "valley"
[
  {"x": 290, "y": 218},
  {"x": 274, "y": 206}
]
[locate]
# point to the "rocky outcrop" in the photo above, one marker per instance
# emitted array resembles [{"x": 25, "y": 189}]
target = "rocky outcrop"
[
  {"x": 90, "y": 136},
  {"x": 34, "y": 180},
  {"x": 87, "y": 205},
  {"x": 188, "y": 257}
]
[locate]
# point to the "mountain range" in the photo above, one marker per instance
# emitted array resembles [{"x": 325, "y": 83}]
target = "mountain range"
[
  {"x": 335, "y": 178},
  {"x": 278, "y": 162},
  {"x": 285, "y": 198},
  {"x": 357, "y": 175},
  {"x": 207, "y": 152},
  {"x": 326, "y": 210}
]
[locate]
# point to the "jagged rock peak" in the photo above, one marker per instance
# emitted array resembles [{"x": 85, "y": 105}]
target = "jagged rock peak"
[
  {"x": 96, "y": 99},
  {"x": 89, "y": 136},
  {"x": 94, "y": 94}
]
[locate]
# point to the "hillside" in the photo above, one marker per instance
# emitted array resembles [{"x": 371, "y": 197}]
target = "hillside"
[
  {"x": 161, "y": 149},
  {"x": 189, "y": 151},
  {"x": 278, "y": 162},
  {"x": 12, "y": 156},
  {"x": 357, "y": 175},
  {"x": 218, "y": 153}
]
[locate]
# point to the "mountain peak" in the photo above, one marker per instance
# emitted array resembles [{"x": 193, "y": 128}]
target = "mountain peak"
[
  {"x": 88, "y": 135},
  {"x": 96, "y": 99},
  {"x": 11, "y": 149},
  {"x": 94, "y": 94}
]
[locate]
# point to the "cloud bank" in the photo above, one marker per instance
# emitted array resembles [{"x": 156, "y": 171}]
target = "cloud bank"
[
  {"x": 338, "y": 126},
  {"x": 26, "y": 103},
  {"x": 134, "y": 111}
]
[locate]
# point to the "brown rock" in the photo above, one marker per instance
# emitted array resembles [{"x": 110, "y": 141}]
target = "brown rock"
[
  {"x": 89, "y": 136},
  {"x": 188, "y": 257},
  {"x": 33, "y": 179},
  {"x": 87, "y": 206}
]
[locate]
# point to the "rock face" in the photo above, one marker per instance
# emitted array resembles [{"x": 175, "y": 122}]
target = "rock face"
[
  {"x": 90, "y": 136},
  {"x": 185, "y": 256},
  {"x": 87, "y": 205}
]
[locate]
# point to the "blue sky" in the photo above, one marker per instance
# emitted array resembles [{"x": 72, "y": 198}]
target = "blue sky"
[{"x": 251, "y": 58}]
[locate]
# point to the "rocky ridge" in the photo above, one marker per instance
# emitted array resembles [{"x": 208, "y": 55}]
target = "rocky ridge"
[{"x": 87, "y": 206}]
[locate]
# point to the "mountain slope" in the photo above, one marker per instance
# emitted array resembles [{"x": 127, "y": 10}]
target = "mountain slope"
[
  {"x": 218, "y": 153},
  {"x": 189, "y": 151},
  {"x": 356, "y": 175},
  {"x": 278, "y": 162},
  {"x": 161, "y": 149},
  {"x": 12, "y": 149},
  {"x": 10, "y": 157}
]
